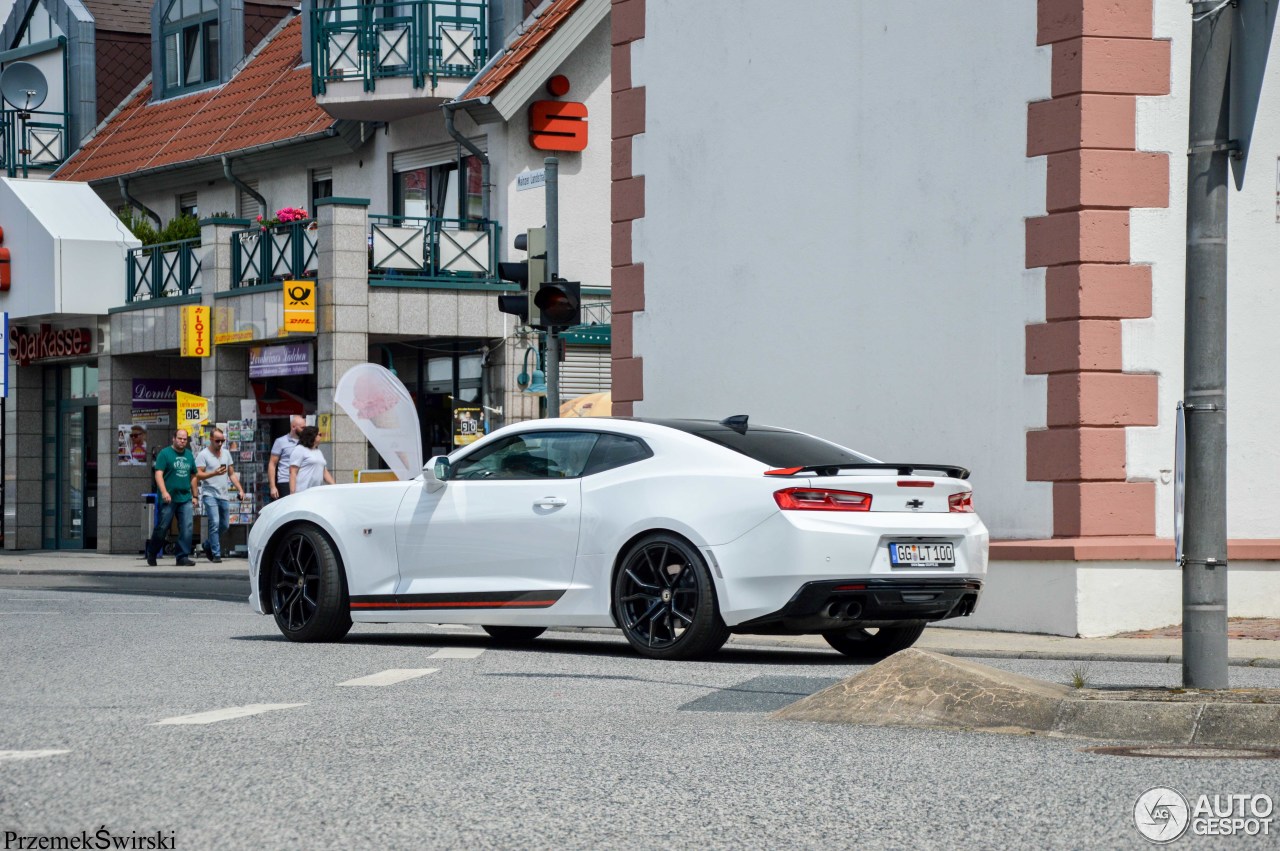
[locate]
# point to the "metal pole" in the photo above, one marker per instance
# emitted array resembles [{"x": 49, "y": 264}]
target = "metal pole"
[
  {"x": 553, "y": 268},
  {"x": 1204, "y": 563}
]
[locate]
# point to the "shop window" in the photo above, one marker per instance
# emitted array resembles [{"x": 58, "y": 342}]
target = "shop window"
[{"x": 189, "y": 33}]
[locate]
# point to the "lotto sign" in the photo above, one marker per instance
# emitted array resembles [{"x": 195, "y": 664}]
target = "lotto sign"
[
  {"x": 193, "y": 410},
  {"x": 299, "y": 307},
  {"x": 197, "y": 337}
]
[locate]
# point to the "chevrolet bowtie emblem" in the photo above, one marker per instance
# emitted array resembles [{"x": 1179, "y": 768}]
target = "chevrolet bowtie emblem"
[{"x": 915, "y": 504}]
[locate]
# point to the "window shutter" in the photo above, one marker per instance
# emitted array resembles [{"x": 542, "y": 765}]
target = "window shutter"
[
  {"x": 586, "y": 369},
  {"x": 445, "y": 152},
  {"x": 247, "y": 207}
]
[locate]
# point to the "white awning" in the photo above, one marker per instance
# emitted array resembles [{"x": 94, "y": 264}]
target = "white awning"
[{"x": 67, "y": 249}]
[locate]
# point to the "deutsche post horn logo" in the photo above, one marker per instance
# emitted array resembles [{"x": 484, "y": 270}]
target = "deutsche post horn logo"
[{"x": 299, "y": 294}]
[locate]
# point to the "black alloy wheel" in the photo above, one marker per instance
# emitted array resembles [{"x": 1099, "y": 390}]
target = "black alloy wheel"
[
  {"x": 513, "y": 634},
  {"x": 873, "y": 645},
  {"x": 307, "y": 593},
  {"x": 665, "y": 602}
]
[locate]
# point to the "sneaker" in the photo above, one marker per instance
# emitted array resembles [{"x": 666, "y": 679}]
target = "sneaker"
[
  {"x": 185, "y": 562},
  {"x": 215, "y": 559},
  {"x": 151, "y": 557}
]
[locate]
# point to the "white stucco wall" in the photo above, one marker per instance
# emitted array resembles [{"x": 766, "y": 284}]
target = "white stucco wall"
[
  {"x": 834, "y": 234},
  {"x": 584, "y": 176},
  {"x": 1158, "y": 237}
]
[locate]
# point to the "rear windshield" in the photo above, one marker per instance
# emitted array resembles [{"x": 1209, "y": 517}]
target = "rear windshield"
[{"x": 779, "y": 448}]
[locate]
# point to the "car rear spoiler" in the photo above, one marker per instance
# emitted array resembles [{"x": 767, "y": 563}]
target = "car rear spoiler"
[{"x": 901, "y": 469}]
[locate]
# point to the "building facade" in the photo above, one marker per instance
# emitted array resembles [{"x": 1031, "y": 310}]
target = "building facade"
[
  {"x": 974, "y": 254},
  {"x": 407, "y": 210}
]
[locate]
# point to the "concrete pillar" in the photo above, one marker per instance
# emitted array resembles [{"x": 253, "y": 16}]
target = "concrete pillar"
[
  {"x": 342, "y": 321},
  {"x": 23, "y": 462}
]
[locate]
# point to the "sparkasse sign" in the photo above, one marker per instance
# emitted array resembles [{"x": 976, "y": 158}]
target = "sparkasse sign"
[{"x": 49, "y": 342}]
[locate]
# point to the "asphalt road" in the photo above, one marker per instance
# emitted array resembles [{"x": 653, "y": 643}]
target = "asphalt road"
[{"x": 571, "y": 743}]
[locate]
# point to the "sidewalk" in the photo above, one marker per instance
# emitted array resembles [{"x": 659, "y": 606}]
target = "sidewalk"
[{"x": 1162, "y": 647}]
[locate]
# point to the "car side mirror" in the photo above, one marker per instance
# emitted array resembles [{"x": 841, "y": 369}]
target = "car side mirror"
[{"x": 436, "y": 472}]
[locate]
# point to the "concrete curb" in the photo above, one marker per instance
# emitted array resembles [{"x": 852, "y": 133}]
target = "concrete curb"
[
  {"x": 130, "y": 574},
  {"x": 917, "y": 688},
  {"x": 1042, "y": 655}
]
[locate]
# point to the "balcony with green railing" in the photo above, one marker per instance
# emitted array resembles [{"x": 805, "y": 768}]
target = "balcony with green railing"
[
  {"x": 370, "y": 60},
  {"x": 280, "y": 252},
  {"x": 411, "y": 251},
  {"x": 163, "y": 270},
  {"x": 32, "y": 141}
]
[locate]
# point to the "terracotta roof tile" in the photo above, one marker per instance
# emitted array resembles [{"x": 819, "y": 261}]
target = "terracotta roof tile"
[
  {"x": 269, "y": 101},
  {"x": 522, "y": 48}
]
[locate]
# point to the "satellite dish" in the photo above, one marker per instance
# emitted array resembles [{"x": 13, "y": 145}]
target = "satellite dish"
[{"x": 23, "y": 85}]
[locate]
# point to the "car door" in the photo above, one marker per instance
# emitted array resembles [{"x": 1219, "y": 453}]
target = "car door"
[{"x": 505, "y": 523}]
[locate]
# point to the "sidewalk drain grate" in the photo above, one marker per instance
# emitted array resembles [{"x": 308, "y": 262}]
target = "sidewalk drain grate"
[{"x": 1185, "y": 752}]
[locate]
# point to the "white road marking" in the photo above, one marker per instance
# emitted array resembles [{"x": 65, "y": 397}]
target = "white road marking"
[
  {"x": 30, "y": 613},
  {"x": 216, "y": 715},
  {"x": 457, "y": 653},
  {"x": 15, "y": 755},
  {"x": 391, "y": 677}
]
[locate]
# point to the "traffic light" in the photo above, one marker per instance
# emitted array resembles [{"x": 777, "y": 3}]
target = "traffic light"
[
  {"x": 560, "y": 304},
  {"x": 527, "y": 273}
]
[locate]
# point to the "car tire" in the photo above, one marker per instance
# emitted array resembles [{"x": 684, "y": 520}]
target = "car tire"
[
  {"x": 308, "y": 596},
  {"x": 665, "y": 602},
  {"x": 513, "y": 634},
  {"x": 857, "y": 643}
]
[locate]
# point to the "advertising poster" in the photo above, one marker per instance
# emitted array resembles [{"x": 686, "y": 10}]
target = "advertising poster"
[
  {"x": 468, "y": 423},
  {"x": 155, "y": 399},
  {"x": 131, "y": 445},
  {"x": 193, "y": 410},
  {"x": 380, "y": 405}
]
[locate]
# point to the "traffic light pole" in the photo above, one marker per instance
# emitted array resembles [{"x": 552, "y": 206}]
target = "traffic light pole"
[
  {"x": 553, "y": 269},
  {"x": 1204, "y": 558}
]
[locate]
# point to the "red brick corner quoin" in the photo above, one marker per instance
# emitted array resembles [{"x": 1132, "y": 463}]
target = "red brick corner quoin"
[
  {"x": 626, "y": 21},
  {"x": 1104, "y": 57}
]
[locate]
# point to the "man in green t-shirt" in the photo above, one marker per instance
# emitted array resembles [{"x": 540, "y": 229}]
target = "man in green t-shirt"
[{"x": 175, "y": 468}]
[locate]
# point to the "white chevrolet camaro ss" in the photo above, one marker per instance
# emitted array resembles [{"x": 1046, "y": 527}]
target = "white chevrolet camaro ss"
[{"x": 677, "y": 532}]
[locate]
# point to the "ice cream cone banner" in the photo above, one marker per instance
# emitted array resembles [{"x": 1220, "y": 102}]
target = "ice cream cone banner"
[{"x": 380, "y": 405}]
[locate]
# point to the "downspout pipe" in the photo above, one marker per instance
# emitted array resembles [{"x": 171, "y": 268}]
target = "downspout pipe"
[
  {"x": 134, "y": 202},
  {"x": 462, "y": 140},
  {"x": 241, "y": 185}
]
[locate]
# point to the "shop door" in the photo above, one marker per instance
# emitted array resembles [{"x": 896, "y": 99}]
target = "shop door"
[{"x": 77, "y": 476}]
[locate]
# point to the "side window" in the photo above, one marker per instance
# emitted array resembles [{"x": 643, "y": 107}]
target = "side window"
[
  {"x": 613, "y": 450},
  {"x": 532, "y": 455}
]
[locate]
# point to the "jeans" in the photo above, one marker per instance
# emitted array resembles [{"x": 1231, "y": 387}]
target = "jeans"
[
  {"x": 217, "y": 519},
  {"x": 165, "y": 512}
]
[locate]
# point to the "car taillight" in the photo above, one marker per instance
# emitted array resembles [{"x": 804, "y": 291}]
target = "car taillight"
[
  {"x": 961, "y": 502},
  {"x": 821, "y": 499}
]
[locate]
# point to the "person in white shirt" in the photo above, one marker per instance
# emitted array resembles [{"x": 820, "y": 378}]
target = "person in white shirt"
[
  {"x": 278, "y": 466},
  {"x": 215, "y": 471},
  {"x": 307, "y": 466}
]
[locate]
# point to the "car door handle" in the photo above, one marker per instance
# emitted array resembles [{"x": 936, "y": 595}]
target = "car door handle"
[{"x": 549, "y": 502}]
